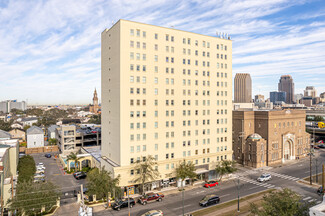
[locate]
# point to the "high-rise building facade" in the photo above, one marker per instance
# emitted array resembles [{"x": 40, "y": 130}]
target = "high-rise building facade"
[
  {"x": 165, "y": 93},
  {"x": 310, "y": 91},
  {"x": 278, "y": 96},
  {"x": 243, "y": 88},
  {"x": 259, "y": 98},
  {"x": 8, "y": 105},
  {"x": 286, "y": 84}
]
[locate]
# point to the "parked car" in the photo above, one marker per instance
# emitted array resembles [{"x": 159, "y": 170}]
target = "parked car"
[
  {"x": 40, "y": 164},
  {"x": 209, "y": 184},
  {"x": 153, "y": 213},
  {"x": 48, "y": 155},
  {"x": 38, "y": 175},
  {"x": 321, "y": 145},
  {"x": 209, "y": 200},
  {"x": 40, "y": 167},
  {"x": 39, "y": 180},
  {"x": 151, "y": 197},
  {"x": 320, "y": 191},
  {"x": 122, "y": 203},
  {"x": 39, "y": 171},
  {"x": 315, "y": 147},
  {"x": 264, "y": 177},
  {"x": 79, "y": 175}
]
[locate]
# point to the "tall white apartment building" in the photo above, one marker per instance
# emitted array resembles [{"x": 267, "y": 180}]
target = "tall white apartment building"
[{"x": 165, "y": 93}]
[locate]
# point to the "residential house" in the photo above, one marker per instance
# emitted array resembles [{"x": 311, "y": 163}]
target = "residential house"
[
  {"x": 4, "y": 135},
  {"x": 35, "y": 137},
  {"x": 18, "y": 133}
]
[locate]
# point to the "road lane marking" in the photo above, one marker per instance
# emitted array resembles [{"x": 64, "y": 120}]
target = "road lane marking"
[
  {"x": 307, "y": 172},
  {"x": 225, "y": 195},
  {"x": 306, "y": 198},
  {"x": 182, "y": 207}
]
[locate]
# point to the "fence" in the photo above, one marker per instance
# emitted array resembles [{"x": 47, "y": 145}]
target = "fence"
[{"x": 39, "y": 149}]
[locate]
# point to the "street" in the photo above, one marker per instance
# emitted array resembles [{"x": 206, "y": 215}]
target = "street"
[{"x": 285, "y": 176}]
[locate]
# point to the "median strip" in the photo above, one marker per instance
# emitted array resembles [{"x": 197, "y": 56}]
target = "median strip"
[{"x": 230, "y": 207}]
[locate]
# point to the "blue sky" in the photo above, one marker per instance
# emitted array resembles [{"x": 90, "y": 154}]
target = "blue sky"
[{"x": 50, "y": 50}]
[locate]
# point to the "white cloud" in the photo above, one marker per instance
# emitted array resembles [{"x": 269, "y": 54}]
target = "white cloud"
[{"x": 50, "y": 50}]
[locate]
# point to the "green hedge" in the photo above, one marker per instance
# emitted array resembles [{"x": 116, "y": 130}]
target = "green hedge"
[{"x": 26, "y": 168}]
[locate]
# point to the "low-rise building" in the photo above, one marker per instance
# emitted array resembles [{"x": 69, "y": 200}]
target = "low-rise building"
[
  {"x": 51, "y": 131},
  {"x": 29, "y": 121},
  {"x": 71, "y": 138},
  {"x": 9, "y": 155},
  {"x": 35, "y": 137},
  {"x": 19, "y": 134},
  {"x": 17, "y": 125},
  {"x": 264, "y": 138}
]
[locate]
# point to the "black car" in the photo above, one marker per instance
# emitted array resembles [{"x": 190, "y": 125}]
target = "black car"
[
  {"x": 79, "y": 175},
  {"x": 209, "y": 200},
  {"x": 320, "y": 191},
  {"x": 123, "y": 203},
  {"x": 48, "y": 155},
  {"x": 321, "y": 145}
]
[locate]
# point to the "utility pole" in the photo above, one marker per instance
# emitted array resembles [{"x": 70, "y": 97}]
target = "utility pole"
[
  {"x": 311, "y": 181},
  {"x": 129, "y": 200},
  {"x": 323, "y": 178},
  {"x": 316, "y": 171}
]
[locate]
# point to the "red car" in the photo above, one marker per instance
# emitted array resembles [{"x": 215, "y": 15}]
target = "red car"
[
  {"x": 211, "y": 184},
  {"x": 150, "y": 197}
]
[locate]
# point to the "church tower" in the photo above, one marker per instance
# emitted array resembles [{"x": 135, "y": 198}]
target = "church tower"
[
  {"x": 95, "y": 107},
  {"x": 95, "y": 99}
]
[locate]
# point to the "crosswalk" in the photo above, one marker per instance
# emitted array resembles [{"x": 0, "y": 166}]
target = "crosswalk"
[
  {"x": 266, "y": 185},
  {"x": 310, "y": 199},
  {"x": 284, "y": 176}
]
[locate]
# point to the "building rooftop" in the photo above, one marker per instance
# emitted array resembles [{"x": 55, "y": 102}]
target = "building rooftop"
[
  {"x": 94, "y": 151},
  {"x": 4, "y": 135},
  {"x": 255, "y": 136},
  {"x": 29, "y": 119},
  {"x": 52, "y": 128},
  {"x": 34, "y": 130}
]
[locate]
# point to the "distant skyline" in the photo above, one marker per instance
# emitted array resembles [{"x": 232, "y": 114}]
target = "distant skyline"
[{"x": 50, "y": 50}]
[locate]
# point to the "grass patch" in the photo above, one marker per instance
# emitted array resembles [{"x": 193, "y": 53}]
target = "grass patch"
[{"x": 230, "y": 203}]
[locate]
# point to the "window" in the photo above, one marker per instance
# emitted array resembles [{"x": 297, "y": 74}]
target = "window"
[
  {"x": 132, "y": 172},
  {"x": 132, "y": 32},
  {"x": 156, "y": 47},
  {"x": 156, "y": 36},
  {"x": 138, "y": 32},
  {"x": 144, "y": 45},
  {"x": 167, "y": 37},
  {"x": 144, "y": 57},
  {"x": 156, "y": 58},
  {"x": 138, "y": 148},
  {"x": 144, "y": 147},
  {"x": 138, "y": 44},
  {"x": 144, "y": 34},
  {"x": 132, "y": 149},
  {"x": 156, "y": 147}
]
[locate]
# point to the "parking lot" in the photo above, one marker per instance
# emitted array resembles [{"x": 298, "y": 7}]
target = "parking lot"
[{"x": 54, "y": 172}]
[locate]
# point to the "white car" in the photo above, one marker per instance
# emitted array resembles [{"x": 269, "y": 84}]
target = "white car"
[
  {"x": 264, "y": 177},
  {"x": 153, "y": 213},
  {"x": 40, "y": 168},
  {"x": 40, "y": 164}
]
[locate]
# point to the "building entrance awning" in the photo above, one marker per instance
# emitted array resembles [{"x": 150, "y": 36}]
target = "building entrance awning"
[{"x": 200, "y": 171}]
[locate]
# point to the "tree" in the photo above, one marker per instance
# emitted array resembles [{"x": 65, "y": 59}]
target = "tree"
[
  {"x": 281, "y": 203},
  {"x": 32, "y": 197},
  {"x": 225, "y": 167},
  {"x": 52, "y": 141},
  {"x": 74, "y": 157},
  {"x": 26, "y": 168},
  {"x": 318, "y": 118},
  {"x": 183, "y": 171},
  {"x": 146, "y": 171},
  {"x": 95, "y": 119},
  {"x": 100, "y": 183},
  {"x": 6, "y": 126},
  {"x": 26, "y": 127}
]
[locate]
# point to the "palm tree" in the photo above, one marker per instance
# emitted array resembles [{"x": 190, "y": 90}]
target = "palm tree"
[
  {"x": 100, "y": 182},
  {"x": 74, "y": 157},
  {"x": 225, "y": 167},
  {"x": 146, "y": 171},
  {"x": 183, "y": 171}
]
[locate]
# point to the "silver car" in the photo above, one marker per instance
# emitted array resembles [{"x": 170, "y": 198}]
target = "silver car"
[
  {"x": 264, "y": 177},
  {"x": 153, "y": 213}
]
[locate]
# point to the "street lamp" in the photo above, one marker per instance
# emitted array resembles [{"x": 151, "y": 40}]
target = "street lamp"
[{"x": 238, "y": 186}]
